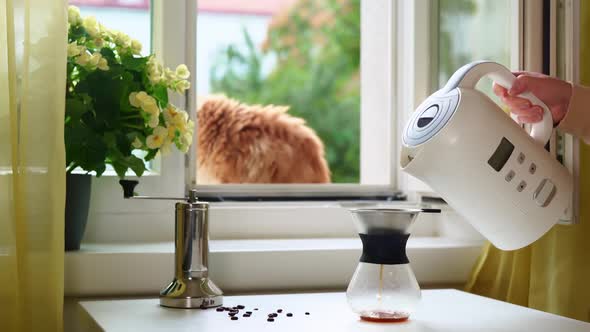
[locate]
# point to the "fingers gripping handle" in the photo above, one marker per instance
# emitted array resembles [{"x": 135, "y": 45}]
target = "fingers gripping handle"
[
  {"x": 471, "y": 73},
  {"x": 540, "y": 131}
]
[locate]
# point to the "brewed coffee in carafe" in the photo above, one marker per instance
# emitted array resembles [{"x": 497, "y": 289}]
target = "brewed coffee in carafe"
[{"x": 383, "y": 287}]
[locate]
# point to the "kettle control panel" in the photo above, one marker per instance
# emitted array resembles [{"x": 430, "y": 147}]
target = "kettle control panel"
[
  {"x": 543, "y": 192},
  {"x": 501, "y": 155}
]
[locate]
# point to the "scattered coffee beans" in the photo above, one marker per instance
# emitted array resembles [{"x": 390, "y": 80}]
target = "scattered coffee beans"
[{"x": 233, "y": 312}]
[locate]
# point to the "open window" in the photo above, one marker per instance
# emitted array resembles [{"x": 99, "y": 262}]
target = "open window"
[{"x": 352, "y": 69}]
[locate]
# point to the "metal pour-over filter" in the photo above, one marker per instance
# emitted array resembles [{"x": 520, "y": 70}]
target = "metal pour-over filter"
[{"x": 383, "y": 287}]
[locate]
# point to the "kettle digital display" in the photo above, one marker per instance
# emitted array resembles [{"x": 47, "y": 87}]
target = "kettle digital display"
[{"x": 483, "y": 163}]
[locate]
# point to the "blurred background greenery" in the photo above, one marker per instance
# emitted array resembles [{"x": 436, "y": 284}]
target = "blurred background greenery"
[
  {"x": 314, "y": 51},
  {"x": 310, "y": 61}
]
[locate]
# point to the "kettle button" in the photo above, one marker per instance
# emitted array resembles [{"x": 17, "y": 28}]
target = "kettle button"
[
  {"x": 509, "y": 176},
  {"x": 520, "y": 158},
  {"x": 521, "y": 186},
  {"x": 532, "y": 168},
  {"x": 544, "y": 193}
]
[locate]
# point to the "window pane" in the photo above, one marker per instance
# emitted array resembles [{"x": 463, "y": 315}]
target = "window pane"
[
  {"x": 129, "y": 16},
  {"x": 303, "y": 54},
  {"x": 471, "y": 30}
]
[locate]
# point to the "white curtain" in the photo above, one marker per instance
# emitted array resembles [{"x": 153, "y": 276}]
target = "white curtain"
[{"x": 33, "y": 37}]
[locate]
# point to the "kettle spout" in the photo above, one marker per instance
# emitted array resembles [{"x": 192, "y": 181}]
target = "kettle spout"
[{"x": 407, "y": 155}]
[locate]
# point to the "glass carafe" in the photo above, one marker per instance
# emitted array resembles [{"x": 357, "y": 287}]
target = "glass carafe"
[{"x": 383, "y": 287}]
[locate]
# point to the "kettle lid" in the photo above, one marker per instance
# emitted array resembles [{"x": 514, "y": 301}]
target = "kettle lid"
[{"x": 430, "y": 117}]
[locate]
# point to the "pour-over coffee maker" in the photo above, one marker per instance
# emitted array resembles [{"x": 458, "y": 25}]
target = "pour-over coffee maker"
[{"x": 383, "y": 287}]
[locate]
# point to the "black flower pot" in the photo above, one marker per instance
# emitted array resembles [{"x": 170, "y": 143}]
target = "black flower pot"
[{"x": 77, "y": 204}]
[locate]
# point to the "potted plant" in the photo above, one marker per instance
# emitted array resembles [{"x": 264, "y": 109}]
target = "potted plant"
[{"x": 117, "y": 112}]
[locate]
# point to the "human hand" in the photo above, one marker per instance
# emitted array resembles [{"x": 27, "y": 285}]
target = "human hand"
[{"x": 555, "y": 93}]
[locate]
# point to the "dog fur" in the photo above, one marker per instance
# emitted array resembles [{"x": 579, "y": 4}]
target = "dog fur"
[{"x": 239, "y": 143}]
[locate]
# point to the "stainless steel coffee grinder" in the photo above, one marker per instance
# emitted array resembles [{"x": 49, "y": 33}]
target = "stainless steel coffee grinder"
[{"x": 191, "y": 286}]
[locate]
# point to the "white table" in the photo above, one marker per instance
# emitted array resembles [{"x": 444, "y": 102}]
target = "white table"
[{"x": 440, "y": 310}]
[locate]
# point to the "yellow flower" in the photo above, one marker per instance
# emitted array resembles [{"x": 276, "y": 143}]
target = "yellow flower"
[
  {"x": 83, "y": 59},
  {"x": 150, "y": 106},
  {"x": 158, "y": 137},
  {"x": 165, "y": 148},
  {"x": 103, "y": 64},
  {"x": 122, "y": 39},
  {"x": 137, "y": 143},
  {"x": 181, "y": 86},
  {"x": 142, "y": 96},
  {"x": 91, "y": 26},
  {"x": 99, "y": 42},
  {"x": 146, "y": 102},
  {"x": 154, "y": 121},
  {"x": 74, "y": 15},
  {"x": 133, "y": 100},
  {"x": 173, "y": 115},
  {"x": 94, "y": 60},
  {"x": 169, "y": 76},
  {"x": 154, "y": 70},
  {"x": 136, "y": 46},
  {"x": 74, "y": 49},
  {"x": 182, "y": 72}
]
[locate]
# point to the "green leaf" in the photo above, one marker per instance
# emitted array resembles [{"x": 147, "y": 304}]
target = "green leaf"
[
  {"x": 150, "y": 155},
  {"x": 75, "y": 108},
  {"x": 161, "y": 94},
  {"x": 108, "y": 54},
  {"x": 123, "y": 144},
  {"x": 132, "y": 63},
  {"x": 137, "y": 165},
  {"x": 76, "y": 32}
]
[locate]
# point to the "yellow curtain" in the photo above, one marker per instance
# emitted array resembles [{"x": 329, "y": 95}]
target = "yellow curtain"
[
  {"x": 552, "y": 274},
  {"x": 33, "y": 36}
]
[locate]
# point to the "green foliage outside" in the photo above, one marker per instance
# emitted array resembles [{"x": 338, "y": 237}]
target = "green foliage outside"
[{"x": 315, "y": 48}]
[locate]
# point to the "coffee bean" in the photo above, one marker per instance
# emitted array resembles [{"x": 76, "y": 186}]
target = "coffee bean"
[
  {"x": 232, "y": 313},
  {"x": 220, "y": 309},
  {"x": 241, "y": 306},
  {"x": 249, "y": 312},
  {"x": 307, "y": 313},
  {"x": 234, "y": 318},
  {"x": 289, "y": 315},
  {"x": 280, "y": 310},
  {"x": 270, "y": 320},
  {"x": 256, "y": 309},
  {"x": 246, "y": 315}
]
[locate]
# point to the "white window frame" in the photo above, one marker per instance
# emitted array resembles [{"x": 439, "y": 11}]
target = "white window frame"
[
  {"x": 387, "y": 25},
  {"x": 378, "y": 177},
  {"x": 114, "y": 220}
]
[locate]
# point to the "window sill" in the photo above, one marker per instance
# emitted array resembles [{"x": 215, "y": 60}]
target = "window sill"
[{"x": 256, "y": 265}]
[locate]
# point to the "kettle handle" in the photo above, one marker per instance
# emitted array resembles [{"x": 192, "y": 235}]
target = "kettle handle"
[{"x": 468, "y": 76}]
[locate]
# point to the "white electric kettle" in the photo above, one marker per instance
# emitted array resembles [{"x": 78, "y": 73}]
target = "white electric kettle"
[{"x": 484, "y": 164}]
